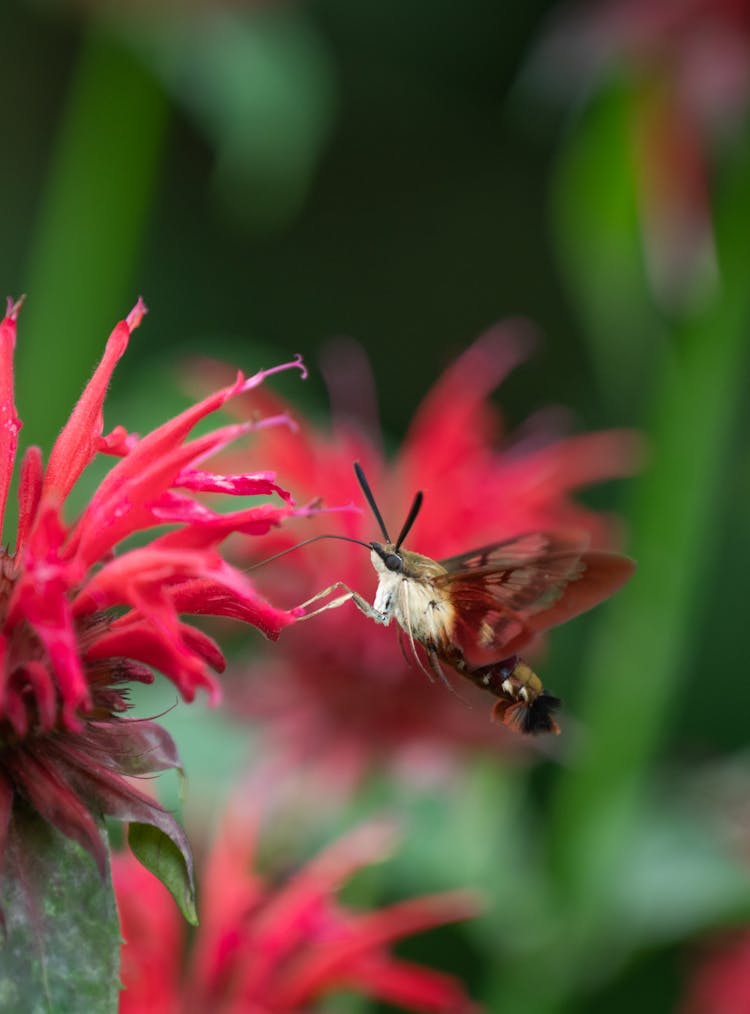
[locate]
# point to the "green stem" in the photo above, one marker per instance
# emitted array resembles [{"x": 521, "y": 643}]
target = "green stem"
[
  {"x": 91, "y": 223},
  {"x": 639, "y": 653}
]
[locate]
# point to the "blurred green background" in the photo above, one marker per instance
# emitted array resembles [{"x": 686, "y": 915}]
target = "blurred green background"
[{"x": 271, "y": 176}]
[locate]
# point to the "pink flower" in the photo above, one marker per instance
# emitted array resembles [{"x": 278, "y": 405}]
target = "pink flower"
[
  {"x": 338, "y": 689},
  {"x": 81, "y": 618},
  {"x": 270, "y": 948},
  {"x": 721, "y": 982},
  {"x": 689, "y": 63}
]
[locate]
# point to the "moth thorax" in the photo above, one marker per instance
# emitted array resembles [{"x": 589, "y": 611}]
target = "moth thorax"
[{"x": 387, "y": 594}]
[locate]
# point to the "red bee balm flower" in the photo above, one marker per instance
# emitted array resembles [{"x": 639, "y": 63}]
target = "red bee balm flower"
[
  {"x": 688, "y": 64},
  {"x": 720, "y": 982},
  {"x": 275, "y": 948},
  {"x": 78, "y": 622},
  {"x": 339, "y": 688}
]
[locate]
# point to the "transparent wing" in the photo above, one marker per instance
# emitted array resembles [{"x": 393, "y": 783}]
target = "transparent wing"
[{"x": 506, "y": 593}]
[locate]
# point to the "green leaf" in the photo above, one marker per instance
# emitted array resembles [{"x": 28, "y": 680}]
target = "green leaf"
[
  {"x": 261, "y": 86},
  {"x": 637, "y": 663},
  {"x": 93, "y": 213},
  {"x": 61, "y": 948},
  {"x": 678, "y": 878},
  {"x": 597, "y": 232},
  {"x": 159, "y": 854}
]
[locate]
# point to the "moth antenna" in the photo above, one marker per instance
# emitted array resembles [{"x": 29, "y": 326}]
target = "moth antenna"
[
  {"x": 371, "y": 499},
  {"x": 306, "y": 542},
  {"x": 411, "y": 517}
]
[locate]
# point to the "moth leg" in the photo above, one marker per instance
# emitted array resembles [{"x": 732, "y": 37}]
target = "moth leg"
[
  {"x": 362, "y": 604},
  {"x": 410, "y": 635},
  {"x": 322, "y": 594},
  {"x": 412, "y": 657},
  {"x": 438, "y": 669},
  {"x": 440, "y": 673},
  {"x": 402, "y": 646},
  {"x": 369, "y": 610},
  {"x": 334, "y": 604}
]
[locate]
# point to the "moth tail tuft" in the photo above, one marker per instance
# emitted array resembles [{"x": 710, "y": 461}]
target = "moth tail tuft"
[{"x": 530, "y": 718}]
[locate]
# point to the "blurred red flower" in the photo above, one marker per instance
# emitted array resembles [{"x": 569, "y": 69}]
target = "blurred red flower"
[
  {"x": 689, "y": 62},
  {"x": 269, "y": 948},
  {"x": 338, "y": 690},
  {"x": 80, "y": 621},
  {"x": 721, "y": 982}
]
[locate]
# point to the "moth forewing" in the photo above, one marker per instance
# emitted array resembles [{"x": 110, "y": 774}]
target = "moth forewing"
[{"x": 500, "y": 609}]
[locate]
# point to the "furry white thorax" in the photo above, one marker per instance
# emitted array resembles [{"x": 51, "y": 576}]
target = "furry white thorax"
[
  {"x": 422, "y": 610},
  {"x": 387, "y": 595}
]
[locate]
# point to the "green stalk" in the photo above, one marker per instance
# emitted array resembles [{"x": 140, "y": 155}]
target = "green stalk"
[
  {"x": 636, "y": 663},
  {"x": 93, "y": 215},
  {"x": 638, "y": 657}
]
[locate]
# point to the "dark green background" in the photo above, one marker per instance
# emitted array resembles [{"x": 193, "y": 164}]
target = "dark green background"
[{"x": 437, "y": 191}]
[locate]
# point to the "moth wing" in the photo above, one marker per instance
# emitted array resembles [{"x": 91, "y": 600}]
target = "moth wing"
[
  {"x": 506, "y": 593},
  {"x": 516, "y": 551}
]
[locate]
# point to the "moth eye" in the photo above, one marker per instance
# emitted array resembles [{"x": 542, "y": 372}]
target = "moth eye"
[{"x": 394, "y": 562}]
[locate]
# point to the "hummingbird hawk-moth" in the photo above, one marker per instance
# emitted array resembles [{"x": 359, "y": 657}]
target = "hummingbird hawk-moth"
[{"x": 475, "y": 612}]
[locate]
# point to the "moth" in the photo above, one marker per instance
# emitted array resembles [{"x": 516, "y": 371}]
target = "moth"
[{"x": 476, "y": 612}]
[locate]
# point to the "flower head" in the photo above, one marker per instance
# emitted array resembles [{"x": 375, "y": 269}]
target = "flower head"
[
  {"x": 720, "y": 984},
  {"x": 689, "y": 61},
  {"x": 81, "y": 617},
  {"x": 339, "y": 688},
  {"x": 278, "y": 947}
]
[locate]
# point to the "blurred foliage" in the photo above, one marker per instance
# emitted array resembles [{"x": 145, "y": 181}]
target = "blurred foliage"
[
  {"x": 270, "y": 176},
  {"x": 595, "y": 210},
  {"x": 48, "y": 960}
]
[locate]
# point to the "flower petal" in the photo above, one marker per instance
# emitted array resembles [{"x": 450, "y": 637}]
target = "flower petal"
[
  {"x": 247, "y": 484},
  {"x": 43, "y": 785},
  {"x": 112, "y": 796},
  {"x": 29, "y": 494},
  {"x": 455, "y": 419},
  {"x": 139, "y": 747},
  {"x": 357, "y": 955},
  {"x": 39, "y": 598},
  {"x": 79, "y": 440},
  {"x": 135, "y": 637},
  {"x": 10, "y": 424}
]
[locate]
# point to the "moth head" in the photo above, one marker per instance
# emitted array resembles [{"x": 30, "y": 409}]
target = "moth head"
[{"x": 386, "y": 557}]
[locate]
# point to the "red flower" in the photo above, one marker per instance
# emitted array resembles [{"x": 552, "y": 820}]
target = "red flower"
[
  {"x": 338, "y": 688},
  {"x": 266, "y": 947},
  {"x": 80, "y": 621},
  {"x": 721, "y": 983},
  {"x": 690, "y": 63}
]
